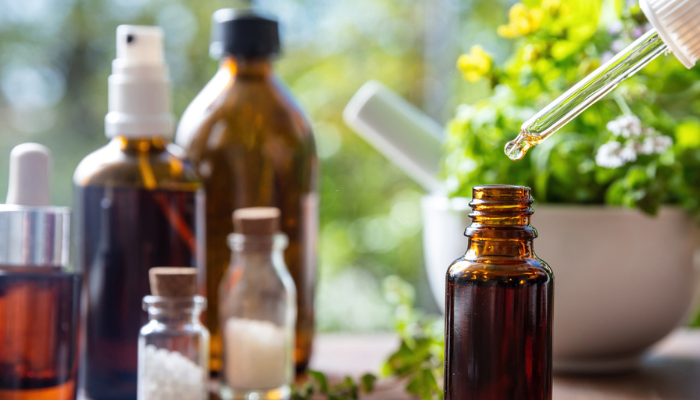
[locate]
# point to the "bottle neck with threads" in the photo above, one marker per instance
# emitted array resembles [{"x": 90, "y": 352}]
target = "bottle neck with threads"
[{"x": 500, "y": 227}]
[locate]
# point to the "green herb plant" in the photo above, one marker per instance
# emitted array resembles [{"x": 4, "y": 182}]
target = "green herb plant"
[
  {"x": 638, "y": 147},
  {"x": 418, "y": 361}
]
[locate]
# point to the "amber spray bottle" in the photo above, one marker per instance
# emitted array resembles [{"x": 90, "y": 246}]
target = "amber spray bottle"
[
  {"x": 39, "y": 291},
  {"x": 138, "y": 205},
  {"x": 498, "y": 308},
  {"x": 253, "y": 147}
]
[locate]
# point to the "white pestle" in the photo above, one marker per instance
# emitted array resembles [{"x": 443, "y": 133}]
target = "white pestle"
[{"x": 400, "y": 131}]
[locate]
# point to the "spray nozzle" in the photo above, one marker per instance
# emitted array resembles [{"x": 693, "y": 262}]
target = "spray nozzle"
[{"x": 139, "y": 45}]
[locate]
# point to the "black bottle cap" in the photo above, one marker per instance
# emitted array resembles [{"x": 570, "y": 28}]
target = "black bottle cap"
[{"x": 244, "y": 32}]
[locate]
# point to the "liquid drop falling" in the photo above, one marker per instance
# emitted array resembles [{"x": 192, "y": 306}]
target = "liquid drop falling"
[{"x": 517, "y": 148}]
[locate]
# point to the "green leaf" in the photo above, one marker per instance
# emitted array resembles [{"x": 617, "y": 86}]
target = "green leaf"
[
  {"x": 423, "y": 384},
  {"x": 563, "y": 49},
  {"x": 688, "y": 134},
  {"x": 351, "y": 387},
  {"x": 368, "y": 381},
  {"x": 616, "y": 193},
  {"x": 320, "y": 379}
]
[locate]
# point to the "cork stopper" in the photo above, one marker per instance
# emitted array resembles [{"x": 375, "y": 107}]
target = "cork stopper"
[
  {"x": 173, "y": 281},
  {"x": 261, "y": 221}
]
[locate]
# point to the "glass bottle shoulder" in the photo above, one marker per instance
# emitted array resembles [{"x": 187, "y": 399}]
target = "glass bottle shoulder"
[
  {"x": 137, "y": 164},
  {"x": 239, "y": 109},
  {"x": 495, "y": 268},
  {"x": 257, "y": 276}
]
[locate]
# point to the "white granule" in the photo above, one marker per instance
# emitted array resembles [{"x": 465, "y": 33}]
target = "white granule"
[
  {"x": 168, "y": 375},
  {"x": 257, "y": 357}
]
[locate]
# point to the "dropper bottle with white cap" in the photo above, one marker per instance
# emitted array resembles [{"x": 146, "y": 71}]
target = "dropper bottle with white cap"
[
  {"x": 676, "y": 29},
  {"x": 39, "y": 291},
  {"x": 138, "y": 205}
]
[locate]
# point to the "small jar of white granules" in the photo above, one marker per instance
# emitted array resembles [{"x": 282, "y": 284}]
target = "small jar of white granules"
[
  {"x": 257, "y": 309},
  {"x": 174, "y": 345}
]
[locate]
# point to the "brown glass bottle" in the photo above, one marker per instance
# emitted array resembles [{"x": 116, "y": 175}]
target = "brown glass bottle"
[
  {"x": 253, "y": 147},
  {"x": 39, "y": 324},
  {"x": 138, "y": 205},
  {"x": 498, "y": 308}
]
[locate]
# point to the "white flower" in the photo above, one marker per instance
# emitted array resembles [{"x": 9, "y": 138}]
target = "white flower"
[
  {"x": 608, "y": 155},
  {"x": 628, "y": 153},
  {"x": 617, "y": 46},
  {"x": 626, "y": 126},
  {"x": 655, "y": 145},
  {"x": 606, "y": 56},
  {"x": 614, "y": 154},
  {"x": 615, "y": 28}
]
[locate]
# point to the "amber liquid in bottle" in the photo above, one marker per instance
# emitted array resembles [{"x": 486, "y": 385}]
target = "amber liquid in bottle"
[
  {"x": 253, "y": 148},
  {"x": 138, "y": 206},
  {"x": 39, "y": 312},
  {"x": 498, "y": 309}
]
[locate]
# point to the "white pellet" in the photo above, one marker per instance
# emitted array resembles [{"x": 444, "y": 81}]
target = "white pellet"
[
  {"x": 168, "y": 375},
  {"x": 257, "y": 357}
]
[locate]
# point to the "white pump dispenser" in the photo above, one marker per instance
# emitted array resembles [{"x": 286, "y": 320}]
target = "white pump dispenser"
[{"x": 139, "y": 87}]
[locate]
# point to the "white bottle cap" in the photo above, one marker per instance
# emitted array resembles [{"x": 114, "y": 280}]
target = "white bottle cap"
[
  {"x": 139, "y": 87},
  {"x": 32, "y": 232},
  {"x": 678, "y": 24},
  {"x": 29, "y": 175},
  {"x": 404, "y": 134}
]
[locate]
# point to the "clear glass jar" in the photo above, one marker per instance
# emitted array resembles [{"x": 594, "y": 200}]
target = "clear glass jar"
[
  {"x": 173, "y": 350},
  {"x": 258, "y": 314}
]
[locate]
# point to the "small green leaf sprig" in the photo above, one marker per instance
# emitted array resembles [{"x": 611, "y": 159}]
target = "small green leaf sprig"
[
  {"x": 420, "y": 357},
  {"x": 317, "y": 387}
]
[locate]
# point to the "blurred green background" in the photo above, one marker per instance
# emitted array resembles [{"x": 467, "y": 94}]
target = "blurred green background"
[{"x": 55, "y": 56}]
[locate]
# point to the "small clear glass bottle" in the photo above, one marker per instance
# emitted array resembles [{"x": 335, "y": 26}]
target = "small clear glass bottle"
[
  {"x": 258, "y": 309},
  {"x": 174, "y": 345}
]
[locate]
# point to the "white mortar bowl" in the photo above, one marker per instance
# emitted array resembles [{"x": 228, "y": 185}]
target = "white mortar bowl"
[{"x": 622, "y": 280}]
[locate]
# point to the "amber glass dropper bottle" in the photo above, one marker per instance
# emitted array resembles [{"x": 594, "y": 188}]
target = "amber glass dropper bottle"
[
  {"x": 138, "y": 205},
  {"x": 39, "y": 289},
  {"x": 498, "y": 307},
  {"x": 253, "y": 147}
]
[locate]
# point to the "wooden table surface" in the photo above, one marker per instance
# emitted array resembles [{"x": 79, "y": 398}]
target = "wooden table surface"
[{"x": 670, "y": 372}]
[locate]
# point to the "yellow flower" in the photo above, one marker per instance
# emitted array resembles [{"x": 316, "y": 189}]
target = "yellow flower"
[
  {"x": 476, "y": 64},
  {"x": 522, "y": 21}
]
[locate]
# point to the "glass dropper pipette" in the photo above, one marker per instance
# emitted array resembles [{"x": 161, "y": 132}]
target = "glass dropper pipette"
[
  {"x": 676, "y": 28},
  {"x": 596, "y": 85}
]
